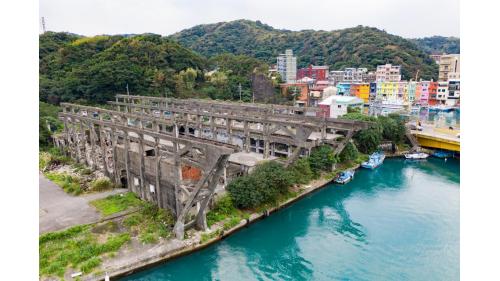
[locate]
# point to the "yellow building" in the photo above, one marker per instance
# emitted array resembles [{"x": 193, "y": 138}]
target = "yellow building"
[{"x": 362, "y": 91}]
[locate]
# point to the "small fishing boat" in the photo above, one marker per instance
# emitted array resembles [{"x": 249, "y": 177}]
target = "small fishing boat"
[
  {"x": 375, "y": 160},
  {"x": 442, "y": 154},
  {"x": 344, "y": 177},
  {"x": 416, "y": 155},
  {"x": 442, "y": 108}
]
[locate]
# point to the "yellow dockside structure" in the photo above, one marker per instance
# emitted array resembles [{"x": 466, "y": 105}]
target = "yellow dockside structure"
[{"x": 438, "y": 138}]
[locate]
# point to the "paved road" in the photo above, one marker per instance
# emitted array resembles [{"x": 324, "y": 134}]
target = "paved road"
[{"x": 59, "y": 210}]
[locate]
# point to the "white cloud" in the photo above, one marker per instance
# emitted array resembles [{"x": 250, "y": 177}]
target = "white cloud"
[{"x": 402, "y": 17}]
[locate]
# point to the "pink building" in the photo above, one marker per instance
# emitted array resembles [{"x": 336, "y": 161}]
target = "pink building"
[{"x": 422, "y": 93}]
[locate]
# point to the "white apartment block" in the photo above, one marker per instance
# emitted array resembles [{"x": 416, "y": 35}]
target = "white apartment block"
[
  {"x": 287, "y": 66},
  {"x": 442, "y": 92},
  {"x": 388, "y": 73}
]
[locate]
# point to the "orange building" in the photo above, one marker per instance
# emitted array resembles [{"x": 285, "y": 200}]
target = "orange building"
[
  {"x": 302, "y": 91},
  {"x": 433, "y": 93},
  {"x": 361, "y": 90}
]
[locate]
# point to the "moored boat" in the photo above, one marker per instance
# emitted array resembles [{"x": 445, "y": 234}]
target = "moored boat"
[
  {"x": 344, "y": 177},
  {"x": 442, "y": 154},
  {"x": 375, "y": 160},
  {"x": 416, "y": 155}
]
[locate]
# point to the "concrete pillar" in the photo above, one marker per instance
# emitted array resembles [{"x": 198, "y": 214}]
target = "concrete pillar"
[
  {"x": 142, "y": 186},
  {"x": 213, "y": 128},
  {"x": 130, "y": 183},
  {"x": 246, "y": 145},
  {"x": 158, "y": 173},
  {"x": 114, "y": 138},
  {"x": 103, "y": 151},
  {"x": 93, "y": 154}
]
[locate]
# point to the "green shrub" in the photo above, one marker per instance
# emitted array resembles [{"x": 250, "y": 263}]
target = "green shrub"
[
  {"x": 322, "y": 159},
  {"x": 300, "y": 171},
  {"x": 101, "y": 184},
  {"x": 349, "y": 153},
  {"x": 263, "y": 185},
  {"x": 223, "y": 209},
  {"x": 368, "y": 140}
]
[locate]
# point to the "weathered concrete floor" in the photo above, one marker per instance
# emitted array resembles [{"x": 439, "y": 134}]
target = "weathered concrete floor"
[{"x": 59, "y": 210}]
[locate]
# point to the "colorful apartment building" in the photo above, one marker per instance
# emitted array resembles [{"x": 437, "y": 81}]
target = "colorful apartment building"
[
  {"x": 361, "y": 90},
  {"x": 395, "y": 92},
  {"x": 422, "y": 93},
  {"x": 316, "y": 72},
  {"x": 442, "y": 92},
  {"x": 344, "y": 89},
  {"x": 388, "y": 73},
  {"x": 411, "y": 92},
  {"x": 453, "y": 92},
  {"x": 433, "y": 87}
]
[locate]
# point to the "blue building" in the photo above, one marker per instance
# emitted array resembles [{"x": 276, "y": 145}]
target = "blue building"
[{"x": 344, "y": 89}]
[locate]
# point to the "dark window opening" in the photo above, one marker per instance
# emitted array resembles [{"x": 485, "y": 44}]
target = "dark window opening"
[{"x": 150, "y": 152}]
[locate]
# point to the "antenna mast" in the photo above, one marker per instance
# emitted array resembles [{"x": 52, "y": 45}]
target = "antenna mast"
[{"x": 43, "y": 25}]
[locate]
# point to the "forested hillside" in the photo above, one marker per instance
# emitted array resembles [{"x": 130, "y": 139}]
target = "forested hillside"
[
  {"x": 438, "y": 44},
  {"x": 95, "y": 69},
  {"x": 352, "y": 47}
]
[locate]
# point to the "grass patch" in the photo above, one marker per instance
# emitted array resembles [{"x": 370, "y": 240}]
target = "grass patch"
[
  {"x": 116, "y": 203},
  {"x": 151, "y": 223},
  {"x": 70, "y": 184},
  {"x": 222, "y": 210},
  {"x": 76, "y": 247},
  {"x": 209, "y": 236},
  {"x": 101, "y": 184}
]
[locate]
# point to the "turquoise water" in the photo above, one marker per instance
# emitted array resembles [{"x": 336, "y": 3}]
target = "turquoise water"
[{"x": 398, "y": 222}]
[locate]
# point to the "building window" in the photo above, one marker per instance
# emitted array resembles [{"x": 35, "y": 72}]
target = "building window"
[
  {"x": 152, "y": 188},
  {"x": 339, "y": 106}
]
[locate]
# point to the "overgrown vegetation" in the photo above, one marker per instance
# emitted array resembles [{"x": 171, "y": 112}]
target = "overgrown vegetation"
[
  {"x": 391, "y": 128},
  {"x": 84, "y": 247},
  {"x": 151, "y": 223},
  {"x": 101, "y": 184},
  {"x": 77, "y": 247},
  {"x": 48, "y": 123},
  {"x": 51, "y": 158},
  {"x": 92, "y": 70},
  {"x": 271, "y": 182},
  {"x": 116, "y": 203},
  {"x": 70, "y": 184}
]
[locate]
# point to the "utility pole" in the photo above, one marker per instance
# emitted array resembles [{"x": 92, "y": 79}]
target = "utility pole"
[
  {"x": 239, "y": 88},
  {"x": 128, "y": 93},
  {"x": 43, "y": 25}
]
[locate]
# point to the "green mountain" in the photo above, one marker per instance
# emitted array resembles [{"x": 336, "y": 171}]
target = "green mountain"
[
  {"x": 94, "y": 69},
  {"x": 352, "y": 47},
  {"x": 438, "y": 44}
]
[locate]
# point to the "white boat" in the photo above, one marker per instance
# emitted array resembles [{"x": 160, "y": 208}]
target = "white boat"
[
  {"x": 416, "y": 155},
  {"x": 375, "y": 160},
  {"x": 344, "y": 177}
]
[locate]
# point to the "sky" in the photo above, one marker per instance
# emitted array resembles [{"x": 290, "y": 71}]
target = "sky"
[{"x": 407, "y": 18}]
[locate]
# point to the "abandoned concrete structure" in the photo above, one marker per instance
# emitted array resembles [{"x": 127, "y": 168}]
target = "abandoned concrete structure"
[{"x": 151, "y": 145}]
